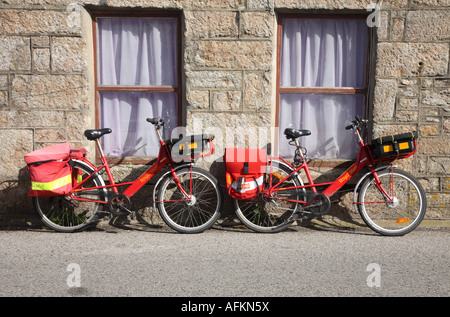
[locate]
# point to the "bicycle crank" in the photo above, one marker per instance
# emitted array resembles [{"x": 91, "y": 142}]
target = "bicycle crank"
[
  {"x": 318, "y": 204},
  {"x": 119, "y": 205}
]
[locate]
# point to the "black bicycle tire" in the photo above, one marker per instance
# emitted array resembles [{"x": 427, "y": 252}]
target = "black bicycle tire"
[
  {"x": 173, "y": 224},
  {"x": 273, "y": 229},
  {"x": 91, "y": 221},
  {"x": 389, "y": 232}
]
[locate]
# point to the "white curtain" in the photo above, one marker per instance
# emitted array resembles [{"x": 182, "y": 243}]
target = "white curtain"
[
  {"x": 136, "y": 52},
  {"x": 325, "y": 53}
]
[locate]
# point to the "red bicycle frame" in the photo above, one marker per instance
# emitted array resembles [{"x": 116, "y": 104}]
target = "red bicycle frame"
[
  {"x": 164, "y": 158},
  {"x": 364, "y": 158}
]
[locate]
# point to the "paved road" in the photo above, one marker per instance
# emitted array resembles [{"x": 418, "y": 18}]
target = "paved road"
[{"x": 220, "y": 262}]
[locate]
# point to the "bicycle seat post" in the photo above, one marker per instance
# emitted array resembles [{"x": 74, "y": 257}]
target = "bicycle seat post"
[
  {"x": 158, "y": 132},
  {"x": 299, "y": 148},
  {"x": 97, "y": 141}
]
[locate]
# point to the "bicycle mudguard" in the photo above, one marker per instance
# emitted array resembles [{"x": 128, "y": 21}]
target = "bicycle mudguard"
[{"x": 363, "y": 178}]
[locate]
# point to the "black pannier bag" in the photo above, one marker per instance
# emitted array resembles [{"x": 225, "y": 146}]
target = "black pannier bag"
[
  {"x": 191, "y": 147},
  {"x": 392, "y": 146}
]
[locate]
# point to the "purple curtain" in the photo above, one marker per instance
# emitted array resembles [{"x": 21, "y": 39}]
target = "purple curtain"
[
  {"x": 325, "y": 53},
  {"x": 136, "y": 52}
]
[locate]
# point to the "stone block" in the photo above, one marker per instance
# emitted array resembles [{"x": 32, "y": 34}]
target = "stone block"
[
  {"x": 26, "y": 4},
  {"x": 429, "y": 130},
  {"x": 384, "y": 100},
  {"x": 436, "y": 97},
  {"x": 398, "y": 26},
  {"x": 76, "y": 123},
  {"x": 15, "y": 53},
  {"x": 198, "y": 99},
  {"x": 16, "y": 143},
  {"x": 408, "y": 104},
  {"x": 49, "y": 92},
  {"x": 40, "y": 41},
  {"x": 411, "y": 59},
  {"x": 254, "y": 55},
  {"x": 31, "y": 118},
  {"x": 39, "y": 22},
  {"x": 214, "y": 79},
  {"x": 446, "y": 125},
  {"x": 429, "y": 183},
  {"x": 439, "y": 165},
  {"x": 3, "y": 98},
  {"x": 41, "y": 59},
  {"x": 427, "y": 25},
  {"x": 446, "y": 183},
  {"x": 442, "y": 82},
  {"x": 211, "y": 24},
  {"x": 389, "y": 129},
  {"x": 216, "y": 4},
  {"x": 257, "y": 92},
  {"x": 3, "y": 81},
  {"x": 434, "y": 146},
  {"x": 321, "y": 4},
  {"x": 68, "y": 54},
  {"x": 257, "y": 24},
  {"x": 49, "y": 135},
  {"x": 430, "y": 3},
  {"x": 226, "y": 100},
  {"x": 406, "y": 116},
  {"x": 260, "y": 4},
  {"x": 383, "y": 29}
]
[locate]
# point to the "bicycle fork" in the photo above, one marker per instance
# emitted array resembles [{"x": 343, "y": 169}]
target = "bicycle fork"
[{"x": 390, "y": 199}]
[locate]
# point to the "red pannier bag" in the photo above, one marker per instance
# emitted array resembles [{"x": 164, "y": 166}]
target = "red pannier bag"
[
  {"x": 77, "y": 173},
  {"x": 245, "y": 170},
  {"x": 50, "y": 172}
]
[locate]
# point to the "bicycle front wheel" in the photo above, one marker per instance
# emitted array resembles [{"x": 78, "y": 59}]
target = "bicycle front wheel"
[
  {"x": 197, "y": 213},
  {"x": 65, "y": 214},
  {"x": 272, "y": 214},
  {"x": 396, "y": 216}
]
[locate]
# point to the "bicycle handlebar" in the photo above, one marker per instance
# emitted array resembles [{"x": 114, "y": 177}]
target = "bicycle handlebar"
[
  {"x": 156, "y": 121},
  {"x": 355, "y": 123}
]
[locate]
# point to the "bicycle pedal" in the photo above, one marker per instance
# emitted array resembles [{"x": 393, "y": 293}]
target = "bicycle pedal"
[
  {"x": 133, "y": 215},
  {"x": 295, "y": 216}
]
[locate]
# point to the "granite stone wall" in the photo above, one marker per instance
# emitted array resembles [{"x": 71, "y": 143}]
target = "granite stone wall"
[{"x": 229, "y": 80}]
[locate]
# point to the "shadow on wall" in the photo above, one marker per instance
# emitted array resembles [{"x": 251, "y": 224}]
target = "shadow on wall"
[
  {"x": 16, "y": 208},
  {"x": 15, "y": 205}
]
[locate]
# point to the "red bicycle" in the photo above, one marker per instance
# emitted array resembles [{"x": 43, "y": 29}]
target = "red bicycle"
[
  {"x": 389, "y": 200},
  {"x": 189, "y": 199}
]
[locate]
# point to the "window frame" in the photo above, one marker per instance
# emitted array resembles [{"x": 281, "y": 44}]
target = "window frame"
[
  {"x": 365, "y": 91},
  {"x": 178, "y": 88}
]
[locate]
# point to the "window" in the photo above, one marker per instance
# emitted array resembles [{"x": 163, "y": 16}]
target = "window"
[
  {"x": 137, "y": 77},
  {"x": 322, "y": 82}
]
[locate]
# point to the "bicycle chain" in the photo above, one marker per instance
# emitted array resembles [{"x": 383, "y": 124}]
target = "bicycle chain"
[
  {"x": 318, "y": 204},
  {"x": 119, "y": 205}
]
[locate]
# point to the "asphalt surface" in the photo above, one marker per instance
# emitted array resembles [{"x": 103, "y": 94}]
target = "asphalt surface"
[{"x": 154, "y": 262}]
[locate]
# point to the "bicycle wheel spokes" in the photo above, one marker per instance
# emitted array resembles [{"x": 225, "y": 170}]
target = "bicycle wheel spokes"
[
  {"x": 398, "y": 214},
  {"x": 271, "y": 214},
  {"x": 65, "y": 214},
  {"x": 196, "y": 213},
  {"x": 265, "y": 214}
]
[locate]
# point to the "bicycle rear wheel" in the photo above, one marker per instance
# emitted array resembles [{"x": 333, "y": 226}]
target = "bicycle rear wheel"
[
  {"x": 64, "y": 214},
  {"x": 194, "y": 215},
  {"x": 399, "y": 216},
  {"x": 272, "y": 214}
]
